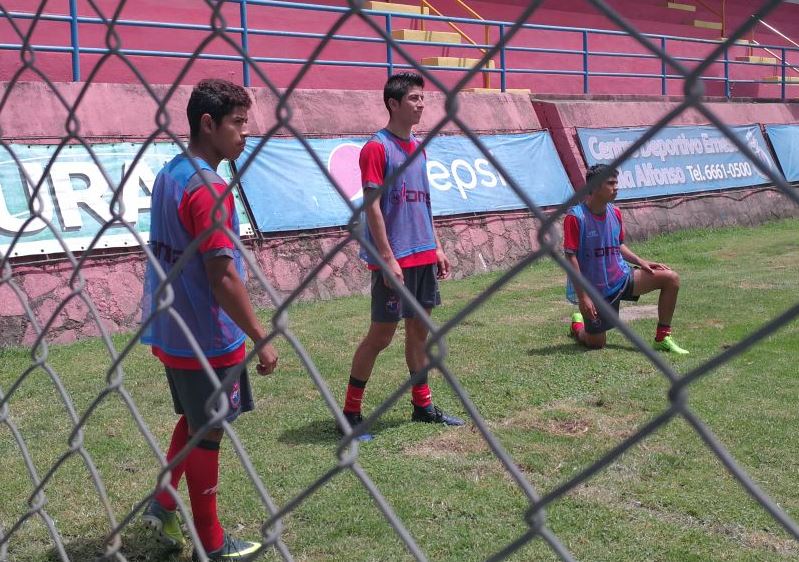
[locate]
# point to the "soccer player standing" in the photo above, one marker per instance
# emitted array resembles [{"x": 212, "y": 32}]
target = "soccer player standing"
[
  {"x": 400, "y": 227},
  {"x": 193, "y": 221},
  {"x": 593, "y": 240}
]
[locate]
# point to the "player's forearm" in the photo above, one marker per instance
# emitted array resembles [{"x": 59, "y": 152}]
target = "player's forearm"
[
  {"x": 629, "y": 256},
  {"x": 231, "y": 294},
  {"x": 377, "y": 228},
  {"x": 572, "y": 259}
]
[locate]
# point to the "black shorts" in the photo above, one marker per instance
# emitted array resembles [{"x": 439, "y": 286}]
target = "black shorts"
[
  {"x": 421, "y": 282},
  {"x": 601, "y": 324},
  {"x": 191, "y": 390}
]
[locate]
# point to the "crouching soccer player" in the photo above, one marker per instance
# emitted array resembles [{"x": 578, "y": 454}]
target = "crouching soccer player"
[
  {"x": 210, "y": 296},
  {"x": 401, "y": 229},
  {"x": 593, "y": 241}
]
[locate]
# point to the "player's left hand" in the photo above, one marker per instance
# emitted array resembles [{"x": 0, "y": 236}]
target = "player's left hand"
[
  {"x": 655, "y": 266},
  {"x": 443, "y": 264}
]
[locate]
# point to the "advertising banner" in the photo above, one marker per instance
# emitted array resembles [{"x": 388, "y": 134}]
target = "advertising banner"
[
  {"x": 287, "y": 189},
  {"x": 678, "y": 160},
  {"x": 75, "y": 196},
  {"x": 785, "y": 140}
]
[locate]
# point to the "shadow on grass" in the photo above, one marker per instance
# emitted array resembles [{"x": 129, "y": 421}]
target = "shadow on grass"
[
  {"x": 324, "y": 431},
  {"x": 572, "y": 347},
  {"x": 138, "y": 545}
]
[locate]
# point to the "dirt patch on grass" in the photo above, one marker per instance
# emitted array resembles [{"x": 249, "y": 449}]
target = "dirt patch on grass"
[
  {"x": 455, "y": 442},
  {"x": 638, "y": 312},
  {"x": 567, "y": 419},
  {"x": 759, "y": 286}
]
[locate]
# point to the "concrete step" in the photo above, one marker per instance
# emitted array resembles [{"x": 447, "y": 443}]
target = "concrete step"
[
  {"x": 431, "y": 36},
  {"x": 454, "y": 61},
  {"x": 681, "y": 6},
  {"x": 789, "y": 80},
  {"x": 759, "y": 60},
  {"x": 398, "y": 8},
  {"x": 525, "y": 91},
  {"x": 702, "y": 24}
]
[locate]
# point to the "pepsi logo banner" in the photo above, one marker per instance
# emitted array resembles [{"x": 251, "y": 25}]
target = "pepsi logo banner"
[
  {"x": 679, "y": 160},
  {"x": 287, "y": 190}
]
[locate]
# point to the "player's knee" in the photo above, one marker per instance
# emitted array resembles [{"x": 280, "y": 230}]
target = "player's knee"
[
  {"x": 378, "y": 341},
  {"x": 594, "y": 341},
  {"x": 674, "y": 279}
]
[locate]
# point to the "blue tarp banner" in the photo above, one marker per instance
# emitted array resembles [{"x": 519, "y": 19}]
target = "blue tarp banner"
[
  {"x": 678, "y": 159},
  {"x": 287, "y": 190},
  {"x": 785, "y": 140},
  {"x": 75, "y": 196}
]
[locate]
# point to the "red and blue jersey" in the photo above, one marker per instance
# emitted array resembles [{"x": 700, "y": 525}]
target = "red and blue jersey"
[
  {"x": 184, "y": 207},
  {"x": 596, "y": 241},
  {"x": 405, "y": 202}
]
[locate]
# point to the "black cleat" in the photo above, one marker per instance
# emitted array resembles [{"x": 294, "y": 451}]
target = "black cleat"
[
  {"x": 434, "y": 414},
  {"x": 355, "y": 420}
]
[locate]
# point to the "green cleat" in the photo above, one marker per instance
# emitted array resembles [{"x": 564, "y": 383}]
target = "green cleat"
[
  {"x": 165, "y": 525},
  {"x": 577, "y": 318},
  {"x": 668, "y": 344}
]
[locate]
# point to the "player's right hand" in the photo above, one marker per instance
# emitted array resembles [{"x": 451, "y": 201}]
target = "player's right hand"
[
  {"x": 587, "y": 308},
  {"x": 267, "y": 360},
  {"x": 395, "y": 270}
]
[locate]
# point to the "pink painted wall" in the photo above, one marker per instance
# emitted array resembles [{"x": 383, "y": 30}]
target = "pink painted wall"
[{"x": 646, "y": 15}]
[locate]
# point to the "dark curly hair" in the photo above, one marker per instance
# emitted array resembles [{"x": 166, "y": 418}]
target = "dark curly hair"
[{"x": 217, "y": 98}]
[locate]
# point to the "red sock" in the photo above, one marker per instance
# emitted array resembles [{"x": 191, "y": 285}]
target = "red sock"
[
  {"x": 420, "y": 395},
  {"x": 355, "y": 390},
  {"x": 577, "y": 326},
  {"x": 202, "y": 477},
  {"x": 180, "y": 435},
  {"x": 662, "y": 331}
]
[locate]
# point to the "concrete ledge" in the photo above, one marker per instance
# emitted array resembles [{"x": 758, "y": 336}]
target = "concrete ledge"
[{"x": 309, "y": 112}]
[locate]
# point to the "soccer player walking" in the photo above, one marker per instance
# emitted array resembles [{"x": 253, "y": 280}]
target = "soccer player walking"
[
  {"x": 593, "y": 240},
  {"x": 400, "y": 227},
  {"x": 212, "y": 302}
]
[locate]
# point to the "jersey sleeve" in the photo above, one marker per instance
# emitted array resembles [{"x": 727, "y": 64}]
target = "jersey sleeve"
[
  {"x": 373, "y": 164},
  {"x": 621, "y": 224},
  {"x": 571, "y": 234},
  {"x": 196, "y": 213}
]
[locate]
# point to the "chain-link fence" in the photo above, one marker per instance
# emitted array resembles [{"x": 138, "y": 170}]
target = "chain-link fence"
[{"x": 347, "y": 457}]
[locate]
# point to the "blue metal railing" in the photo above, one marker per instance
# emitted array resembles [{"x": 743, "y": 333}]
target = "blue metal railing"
[{"x": 506, "y": 54}]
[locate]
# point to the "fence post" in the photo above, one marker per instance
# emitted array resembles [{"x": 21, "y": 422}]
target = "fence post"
[
  {"x": 784, "y": 77},
  {"x": 245, "y": 41},
  {"x": 664, "y": 88},
  {"x": 585, "y": 61},
  {"x": 73, "y": 35},
  {"x": 503, "y": 73},
  {"x": 389, "y": 49},
  {"x": 727, "y": 89}
]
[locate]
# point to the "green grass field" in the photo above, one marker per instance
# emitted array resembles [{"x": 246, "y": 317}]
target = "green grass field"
[{"x": 554, "y": 407}]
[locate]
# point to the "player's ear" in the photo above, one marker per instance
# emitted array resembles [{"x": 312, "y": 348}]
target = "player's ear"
[{"x": 207, "y": 123}]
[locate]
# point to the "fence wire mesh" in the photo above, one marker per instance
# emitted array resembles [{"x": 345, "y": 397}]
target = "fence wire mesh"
[{"x": 42, "y": 479}]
